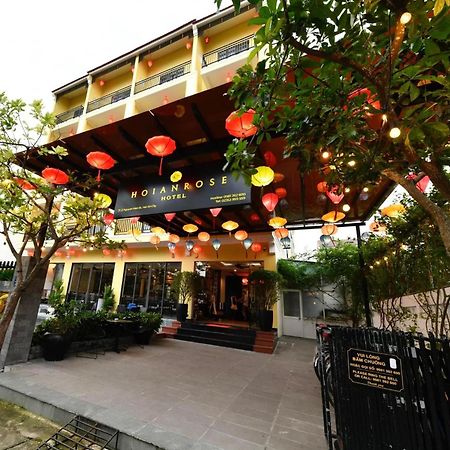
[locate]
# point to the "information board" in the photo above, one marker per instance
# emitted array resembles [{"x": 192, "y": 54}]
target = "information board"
[{"x": 377, "y": 370}]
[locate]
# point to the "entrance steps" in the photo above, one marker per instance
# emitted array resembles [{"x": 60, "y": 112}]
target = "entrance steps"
[{"x": 223, "y": 335}]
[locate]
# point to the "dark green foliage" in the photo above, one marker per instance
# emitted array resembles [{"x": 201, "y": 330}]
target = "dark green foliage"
[
  {"x": 266, "y": 287},
  {"x": 108, "y": 299},
  {"x": 186, "y": 286},
  {"x": 6, "y": 274}
]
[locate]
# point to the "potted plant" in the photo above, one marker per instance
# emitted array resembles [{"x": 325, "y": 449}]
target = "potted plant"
[
  {"x": 149, "y": 324},
  {"x": 185, "y": 286},
  {"x": 266, "y": 290},
  {"x": 108, "y": 299}
]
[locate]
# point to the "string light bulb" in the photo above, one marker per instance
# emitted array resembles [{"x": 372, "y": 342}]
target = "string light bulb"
[
  {"x": 347, "y": 190},
  {"x": 395, "y": 132},
  {"x": 405, "y": 18},
  {"x": 352, "y": 163},
  {"x": 346, "y": 208},
  {"x": 366, "y": 189},
  {"x": 325, "y": 154}
]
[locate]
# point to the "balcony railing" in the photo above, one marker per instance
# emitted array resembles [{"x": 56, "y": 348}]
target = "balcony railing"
[
  {"x": 163, "y": 77},
  {"x": 126, "y": 226},
  {"x": 113, "y": 97},
  {"x": 227, "y": 51},
  {"x": 70, "y": 114}
]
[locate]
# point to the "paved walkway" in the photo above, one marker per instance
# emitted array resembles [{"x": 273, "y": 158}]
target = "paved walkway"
[{"x": 183, "y": 395}]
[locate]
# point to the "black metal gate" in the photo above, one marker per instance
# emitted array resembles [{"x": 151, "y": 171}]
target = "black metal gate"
[{"x": 377, "y": 407}]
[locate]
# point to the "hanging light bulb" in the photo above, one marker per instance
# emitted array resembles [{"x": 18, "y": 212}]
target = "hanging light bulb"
[
  {"x": 395, "y": 132},
  {"x": 352, "y": 163},
  {"x": 346, "y": 208},
  {"x": 326, "y": 154},
  {"x": 405, "y": 18},
  {"x": 216, "y": 245}
]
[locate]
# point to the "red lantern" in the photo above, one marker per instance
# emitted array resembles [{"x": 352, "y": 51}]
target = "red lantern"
[
  {"x": 215, "y": 211},
  {"x": 270, "y": 201},
  {"x": 24, "y": 184},
  {"x": 281, "y": 233},
  {"x": 55, "y": 176},
  {"x": 335, "y": 198},
  {"x": 241, "y": 126},
  {"x": 270, "y": 159},
  {"x": 101, "y": 161},
  {"x": 106, "y": 251},
  {"x": 423, "y": 183},
  {"x": 196, "y": 249},
  {"x": 281, "y": 192},
  {"x": 169, "y": 216},
  {"x": 108, "y": 218},
  {"x": 160, "y": 146},
  {"x": 256, "y": 248},
  {"x": 254, "y": 217},
  {"x": 322, "y": 186}
]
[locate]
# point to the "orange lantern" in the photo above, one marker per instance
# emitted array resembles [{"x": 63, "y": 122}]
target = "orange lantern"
[
  {"x": 256, "y": 248},
  {"x": 254, "y": 217},
  {"x": 322, "y": 187},
  {"x": 160, "y": 146},
  {"x": 190, "y": 228},
  {"x": 169, "y": 216},
  {"x": 196, "y": 249},
  {"x": 329, "y": 229},
  {"x": 203, "y": 236},
  {"x": 278, "y": 177},
  {"x": 241, "y": 235},
  {"x": 281, "y": 192},
  {"x": 155, "y": 240},
  {"x": 263, "y": 176},
  {"x": 230, "y": 226},
  {"x": 270, "y": 159},
  {"x": 24, "y": 184},
  {"x": 281, "y": 233},
  {"x": 377, "y": 227},
  {"x": 55, "y": 176},
  {"x": 108, "y": 219},
  {"x": 241, "y": 126},
  {"x": 101, "y": 161},
  {"x": 174, "y": 238},
  {"x": 106, "y": 251},
  {"x": 277, "y": 222},
  {"x": 158, "y": 230},
  {"x": 333, "y": 216},
  {"x": 270, "y": 201}
]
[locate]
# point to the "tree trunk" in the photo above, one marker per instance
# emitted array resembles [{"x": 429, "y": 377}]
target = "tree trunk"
[
  {"x": 8, "y": 314},
  {"x": 440, "y": 217}
]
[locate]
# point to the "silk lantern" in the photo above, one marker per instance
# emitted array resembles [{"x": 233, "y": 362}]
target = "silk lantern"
[
  {"x": 216, "y": 245},
  {"x": 322, "y": 187},
  {"x": 335, "y": 198},
  {"x": 256, "y": 248},
  {"x": 174, "y": 238},
  {"x": 158, "y": 231},
  {"x": 277, "y": 222},
  {"x": 169, "y": 216},
  {"x": 100, "y": 161},
  {"x": 333, "y": 216},
  {"x": 247, "y": 244},
  {"x": 278, "y": 177},
  {"x": 189, "y": 245},
  {"x": 160, "y": 146},
  {"x": 329, "y": 229},
  {"x": 423, "y": 183},
  {"x": 230, "y": 226},
  {"x": 241, "y": 125},
  {"x": 241, "y": 235},
  {"x": 24, "y": 184},
  {"x": 155, "y": 240},
  {"x": 281, "y": 233},
  {"x": 196, "y": 250},
  {"x": 108, "y": 219},
  {"x": 203, "y": 236},
  {"x": 263, "y": 176},
  {"x": 270, "y": 159},
  {"x": 176, "y": 176},
  {"x": 106, "y": 251},
  {"x": 190, "y": 228},
  {"x": 171, "y": 246},
  {"x": 281, "y": 192},
  {"x": 215, "y": 211},
  {"x": 104, "y": 200},
  {"x": 270, "y": 201},
  {"x": 55, "y": 176}
]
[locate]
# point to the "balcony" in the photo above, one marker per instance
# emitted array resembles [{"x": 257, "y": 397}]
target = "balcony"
[
  {"x": 70, "y": 114},
  {"x": 109, "y": 99},
  {"x": 126, "y": 226},
  {"x": 227, "y": 51}
]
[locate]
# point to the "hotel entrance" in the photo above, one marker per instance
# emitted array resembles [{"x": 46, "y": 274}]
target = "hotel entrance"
[{"x": 225, "y": 294}]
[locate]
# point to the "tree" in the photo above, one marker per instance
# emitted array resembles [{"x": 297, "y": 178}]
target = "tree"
[
  {"x": 45, "y": 216},
  {"x": 365, "y": 81}
]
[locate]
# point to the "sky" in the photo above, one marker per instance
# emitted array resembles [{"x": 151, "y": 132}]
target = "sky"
[{"x": 49, "y": 43}]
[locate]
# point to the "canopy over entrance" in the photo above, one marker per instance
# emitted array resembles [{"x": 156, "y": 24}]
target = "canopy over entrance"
[{"x": 197, "y": 125}]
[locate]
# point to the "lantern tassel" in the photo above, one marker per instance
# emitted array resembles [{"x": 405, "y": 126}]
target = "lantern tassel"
[
  {"x": 98, "y": 176},
  {"x": 160, "y": 166}
]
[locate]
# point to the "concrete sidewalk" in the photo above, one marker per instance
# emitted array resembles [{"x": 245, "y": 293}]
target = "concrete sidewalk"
[{"x": 182, "y": 395}]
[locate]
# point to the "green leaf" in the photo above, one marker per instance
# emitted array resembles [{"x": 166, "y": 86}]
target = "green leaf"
[
  {"x": 431, "y": 48},
  {"x": 438, "y": 6},
  {"x": 416, "y": 135},
  {"x": 414, "y": 91},
  {"x": 438, "y": 131}
]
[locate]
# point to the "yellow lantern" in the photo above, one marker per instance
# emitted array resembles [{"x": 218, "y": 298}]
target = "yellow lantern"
[
  {"x": 278, "y": 177},
  {"x": 263, "y": 176},
  {"x": 104, "y": 200},
  {"x": 241, "y": 235},
  {"x": 281, "y": 233},
  {"x": 158, "y": 230},
  {"x": 176, "y": 176},
  {"x": 190, "y": 228},
  {"x": 394, "y": 210},
  {"x": 230, "y": 225},
  {"x": 277, "y": 222},
  {"x": 329, "y": 229},
  {"x": 203, "y": 236},
  {"x": 333, "y": 216},
  {"x": 174, "y": 238}
]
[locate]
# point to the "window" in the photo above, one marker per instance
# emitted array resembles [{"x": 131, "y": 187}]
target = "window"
[
  {"x": 88, "y": 281},
  {"x": 148, "y": 285}
]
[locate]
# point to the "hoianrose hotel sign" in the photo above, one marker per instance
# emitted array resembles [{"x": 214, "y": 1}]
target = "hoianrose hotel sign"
[{"x": 212, "y": 190}]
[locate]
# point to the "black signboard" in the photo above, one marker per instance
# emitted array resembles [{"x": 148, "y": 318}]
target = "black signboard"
[
  {"x": 209, "y": 189},
  {"x": 378, "y": 370}
]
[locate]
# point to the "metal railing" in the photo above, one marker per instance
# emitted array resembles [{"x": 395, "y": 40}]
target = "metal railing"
[
  {"x": 113, "y": 97},
  {"x": 126, "y": 226},
  {"x": 163, "y": 77},
  {"x": 70, "y": 114},
  {"x": 229, "y": 50}
]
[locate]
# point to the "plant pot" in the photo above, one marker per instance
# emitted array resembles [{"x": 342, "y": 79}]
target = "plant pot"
[
  {"x": 54, "y": 346},
  {"x": 143, "y": 336},
  {"x": 182, "y": 311},
  {"x": 265, "y": 320}
]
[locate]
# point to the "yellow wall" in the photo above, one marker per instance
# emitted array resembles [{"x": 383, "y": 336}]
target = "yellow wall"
[
  {"x": 227, "y": 36},
  {"x": 111, "y": 84}
]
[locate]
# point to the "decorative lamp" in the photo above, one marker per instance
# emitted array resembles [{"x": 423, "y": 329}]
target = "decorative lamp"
[
  {"x": 230, "y": 226},
  {"x": 104, "y": 200},
  {"x": 100, "y": 161},
  {"x": 241, "y": 125},
  {"x": 241, "y": 235},
  {"x": 270, "y": 201},
  {"x": 106, "y": 251},
  {"x": 149, "y": 63},
  {"x": 335, "y": 198},
  {"x": 160, "y": 146},
  {"x": 373, "y": 120},
  {"x": 215, "y": 211},
  {"x": 322, "y": 187},
  {"x": 256, "y": 248},
  {"x": 108, "y": 219},
  {"x": 333, "y": 216},
  {"x": 263, "y": 176},
  {"x": 394, "y": 210},
  {"x": 270, "y": 159},
  {"x": 55, "y": 176},
  {"x": 176, "y": 176},
  {"x": 188, "y": 45},
  {"x": 216, "y": 245},
  {"x": 155, "y": 240},
  {"x": 203, "y": 236},
  {"x": 286, "y": 243},
  {"x": 190, "y": 228},
  {"x": 169, "y": 216},
  {"x": 254, "y": 217},
  {"x": 196, "y": 250},
  {"x": 245, "y": 281},
  {"x": 134, "y": 219},
  {"x": 189, "y": 245},
  {"x": 171, "y": 246},
  {"x": 423, "y": 183},
  {"x": 281, "y": 192},
  {"x": 158, "y": 231},
  {"x": 377, "y": 227},
  {"x": 281, "y": 233},
  {"x": 329, "y": 229},
  {"x": 174, "y": 238},
  {"x": 24, "y": 184},
  {"x": 277, "y": 222},
  {"x": 247, "y": 243},
  {"x": 278, "y": 177}
]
